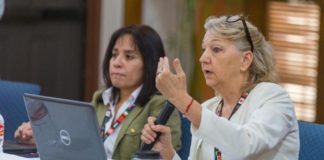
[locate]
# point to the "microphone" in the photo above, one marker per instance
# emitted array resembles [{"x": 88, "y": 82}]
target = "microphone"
[{"x": 161, "y": 119}]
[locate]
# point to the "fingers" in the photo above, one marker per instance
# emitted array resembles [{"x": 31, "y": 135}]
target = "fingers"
[
  {"x": 149, "y": 132},
  {"x": 166, "y": 66},
  {"x": 157, "y": 128},
  {"x": 151, "y": 120},
  {"x": 20, "y": 129},
  {"x": 163, "y": 65},
  {"x": 28, "y": 133},
  {"x": 159, "y": 67},
  {"x": 150, "y": 129},
  {"x": 161, "y": 128},
  {"x": 164, "y": 143},
  {"x": 24, "y": 132},
  {"x": 148, "y": 135},
  {"x": 177, "y": 66}
]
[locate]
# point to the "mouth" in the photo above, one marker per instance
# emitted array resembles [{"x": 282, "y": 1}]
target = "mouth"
[
  {"x": 207, "y": 72},
  {"x": 116, "y": 75}
]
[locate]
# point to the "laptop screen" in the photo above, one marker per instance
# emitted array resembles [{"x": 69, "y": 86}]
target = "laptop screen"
[{"x": 64, "y": 129}]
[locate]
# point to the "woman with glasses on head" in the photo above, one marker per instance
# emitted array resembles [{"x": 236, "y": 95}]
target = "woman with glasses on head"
[{"x": 250, "y": 116}]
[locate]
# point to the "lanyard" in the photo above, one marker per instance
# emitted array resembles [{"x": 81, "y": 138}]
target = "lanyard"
[
  {"x": 217, "y": 152},
  {"x": 117, "y": 122}
]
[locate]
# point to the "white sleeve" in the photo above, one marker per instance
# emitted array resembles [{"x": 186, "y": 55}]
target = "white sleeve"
[{"x": 176, "y": 157}]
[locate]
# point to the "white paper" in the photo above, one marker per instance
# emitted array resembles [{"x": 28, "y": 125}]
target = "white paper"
[{"x": 7, "y": 156}]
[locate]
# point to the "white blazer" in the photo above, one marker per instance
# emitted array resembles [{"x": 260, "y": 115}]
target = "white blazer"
[{"x": 263, "y": 128}]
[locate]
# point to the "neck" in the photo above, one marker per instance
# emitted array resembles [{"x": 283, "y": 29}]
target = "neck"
[
  {"x": 123, "y": 96},
  {"x": 231, "y": 97},
  {"x": 232, "y": 91}
]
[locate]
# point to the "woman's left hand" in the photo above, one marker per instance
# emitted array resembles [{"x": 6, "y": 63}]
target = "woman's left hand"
[
  {"x": 171, "y": 85},
  {"x": 163, "y": 144}
]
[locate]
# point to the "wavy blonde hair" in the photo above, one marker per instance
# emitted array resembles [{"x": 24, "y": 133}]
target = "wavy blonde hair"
[{"x": 263, "y": 67}]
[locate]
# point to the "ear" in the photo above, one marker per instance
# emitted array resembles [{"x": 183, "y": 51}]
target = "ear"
[{"x": 246, "y": 60}]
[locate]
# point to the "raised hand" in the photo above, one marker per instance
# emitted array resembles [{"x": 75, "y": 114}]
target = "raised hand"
[{"x": 171, "y": 85}]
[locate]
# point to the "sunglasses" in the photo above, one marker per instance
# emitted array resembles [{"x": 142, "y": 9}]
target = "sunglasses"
[{"x": 233, "y": 19}]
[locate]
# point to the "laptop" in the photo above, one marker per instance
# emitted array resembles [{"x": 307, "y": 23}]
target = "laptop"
[
  {"x": 13, "y": 147},
  {"x": 64, "y": 129}
]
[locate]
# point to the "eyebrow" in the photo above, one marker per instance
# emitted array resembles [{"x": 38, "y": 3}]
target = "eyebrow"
[
  {"x": 128, "y": 51},
  {"x": 213, "y": 40}
]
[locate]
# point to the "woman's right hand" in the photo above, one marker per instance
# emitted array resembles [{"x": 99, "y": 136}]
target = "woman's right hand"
[
  {"x": 172, "y": 86},
  {"x": 163, "y": 145},
  {"x": 24, "y": 134}
]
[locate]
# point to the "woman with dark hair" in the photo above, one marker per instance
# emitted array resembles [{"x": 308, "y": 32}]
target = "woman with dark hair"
[
  {"x": 129, "y": 70},
  {"x": 130, "y": 95}
]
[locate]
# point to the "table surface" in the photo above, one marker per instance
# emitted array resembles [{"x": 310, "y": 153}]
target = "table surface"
[{"x": 7, "y": 156}]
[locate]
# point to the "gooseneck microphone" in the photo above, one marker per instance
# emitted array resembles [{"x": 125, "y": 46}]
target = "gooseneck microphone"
[{"x": 161, "y": 119}]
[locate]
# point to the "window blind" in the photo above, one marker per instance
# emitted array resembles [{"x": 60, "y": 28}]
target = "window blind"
[{"x": 293, "y": 30}]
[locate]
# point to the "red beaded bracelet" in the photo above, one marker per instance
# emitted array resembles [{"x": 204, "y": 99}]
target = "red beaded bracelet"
[{"x": 188, "y": 106}]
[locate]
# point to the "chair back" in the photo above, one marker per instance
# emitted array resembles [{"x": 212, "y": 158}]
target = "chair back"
[
  {"x": 185, "y": 138},
  {"x": 311, "y": 141},
  {"x": 12, "y": 106}
]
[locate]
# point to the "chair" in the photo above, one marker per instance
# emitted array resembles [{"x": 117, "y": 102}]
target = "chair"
[
  {"x": 12, "y": 106},
  {"x": 311, "y": 141},
  {"x": 185, "y": 138}
]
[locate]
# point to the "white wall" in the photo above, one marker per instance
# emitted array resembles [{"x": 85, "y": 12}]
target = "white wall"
[
  {"x": 112, "y": 16},
  {"x": 162, "y": 16},
  {"x": 169, "y": 19},
  {"x": 165, "y": 16}
]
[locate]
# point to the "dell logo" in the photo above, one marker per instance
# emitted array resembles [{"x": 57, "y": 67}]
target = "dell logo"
[{"x": 65, "y": 137}]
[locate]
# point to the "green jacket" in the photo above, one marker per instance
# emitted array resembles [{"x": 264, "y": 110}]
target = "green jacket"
[{"x": 129, "y": 138}]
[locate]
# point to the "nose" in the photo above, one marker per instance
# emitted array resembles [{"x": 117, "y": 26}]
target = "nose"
[
  {"x": 117, "y": 61},
  {"x": 204, "y": 58}
]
